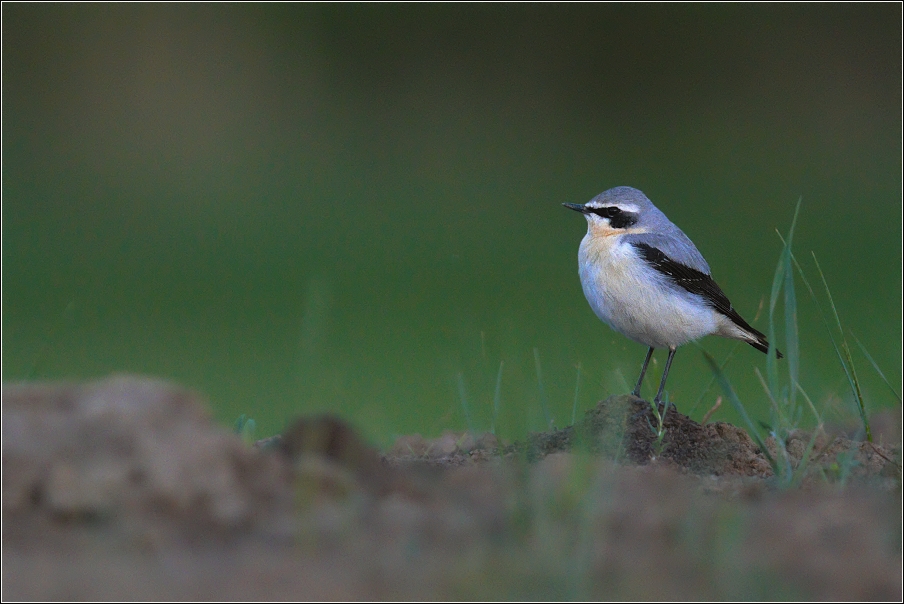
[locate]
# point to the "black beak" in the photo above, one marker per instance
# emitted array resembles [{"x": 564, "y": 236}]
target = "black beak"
[{"x": 577, "y": 207}]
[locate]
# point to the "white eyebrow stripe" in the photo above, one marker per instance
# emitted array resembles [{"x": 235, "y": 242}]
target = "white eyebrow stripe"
[{"x": 624, "y": 207}]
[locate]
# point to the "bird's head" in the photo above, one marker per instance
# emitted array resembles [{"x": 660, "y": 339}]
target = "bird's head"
[{"x": 618, "y": 211}]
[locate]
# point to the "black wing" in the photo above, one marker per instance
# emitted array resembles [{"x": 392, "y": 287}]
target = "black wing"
[{"x": 697, "y": 282}]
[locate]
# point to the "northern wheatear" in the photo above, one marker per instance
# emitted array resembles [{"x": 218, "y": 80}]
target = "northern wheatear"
[{"x": 645, "y": 278}]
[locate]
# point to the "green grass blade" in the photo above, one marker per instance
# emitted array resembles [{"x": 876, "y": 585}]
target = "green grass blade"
[
  {"x": 842, "y": 358},
  {"x": 876, "y": 367},
  {"x": 780, "y": 279},
  {"x": 771, "y": 366},
  {"x": 463, "y": 396},
  {"x": 792, "y": 342},
  {"x": 245, "y": 427},
  {"x": 780, "y": 419},
  {"x": 712, "y": 380},
  {"x": 825, "y": 321},
  {"x": 849, "y": 364},
  {"x": 819, "y": 422}
]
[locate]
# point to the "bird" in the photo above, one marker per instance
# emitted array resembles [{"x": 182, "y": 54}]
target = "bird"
[{"x": 646, "y": 279}]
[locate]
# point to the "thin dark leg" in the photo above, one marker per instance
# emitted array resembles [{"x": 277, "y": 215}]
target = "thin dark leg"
[
  {"x": 665, "y": 374},
  {"x": 642, "y": 372}
]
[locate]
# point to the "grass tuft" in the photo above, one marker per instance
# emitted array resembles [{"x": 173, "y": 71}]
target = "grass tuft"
[
  {"x": 659, "y": 429},
  {"x": 786, "y": 413},
  {"x": 842, "y": 351}
]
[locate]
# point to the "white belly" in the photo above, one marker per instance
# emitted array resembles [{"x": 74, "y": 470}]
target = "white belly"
[{"x": 634, "y": 299}]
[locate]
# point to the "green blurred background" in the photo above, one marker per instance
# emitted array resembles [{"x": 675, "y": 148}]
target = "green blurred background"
[{"x": 357, "y": 208}]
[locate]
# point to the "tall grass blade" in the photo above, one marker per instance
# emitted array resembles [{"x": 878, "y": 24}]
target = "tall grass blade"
[
  {"x": 792, "y": 342},
  {"x": 780, "y": 419},
  {"x": 848, "y": 362},
  {"x": 843, "y": 351},
  {"x": 739, "y": 407},
  {"x": 825, "y": 321},
  {"x": 771, "y": 367},
  {"x": 782, "y": 278},
  {"x": 876, "y": 367}
]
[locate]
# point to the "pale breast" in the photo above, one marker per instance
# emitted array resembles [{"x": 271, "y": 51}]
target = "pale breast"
[{"x": 636, "y": 300}]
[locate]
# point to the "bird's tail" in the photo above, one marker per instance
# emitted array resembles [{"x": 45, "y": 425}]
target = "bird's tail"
[
  {"x": 760, "y": 343},
  {"x": 749, "y": 334}
]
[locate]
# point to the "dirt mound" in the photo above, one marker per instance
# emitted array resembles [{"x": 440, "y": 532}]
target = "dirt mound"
[
  {"x": 135, "y": 450},
  {"x": 622, "y": 428},
  {"x": 124, "y": 489}
]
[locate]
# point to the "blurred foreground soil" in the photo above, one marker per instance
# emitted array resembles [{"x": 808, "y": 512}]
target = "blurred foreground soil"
[{"x": 125, "y": 489}]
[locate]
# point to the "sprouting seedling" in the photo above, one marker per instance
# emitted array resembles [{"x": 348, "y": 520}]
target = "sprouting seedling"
[
  {"x": 659, "y": 429},
  {"x": 245, "y": 428}
]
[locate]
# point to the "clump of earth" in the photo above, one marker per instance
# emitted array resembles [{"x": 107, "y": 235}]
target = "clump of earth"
[{"x": 125, "y": 489}]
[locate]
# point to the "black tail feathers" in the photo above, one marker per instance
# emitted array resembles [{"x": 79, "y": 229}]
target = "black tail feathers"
[{"x": 762, "y": 345}]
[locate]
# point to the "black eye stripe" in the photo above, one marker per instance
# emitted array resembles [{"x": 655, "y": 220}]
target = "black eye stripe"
[
  {"x": 618, "y": 218},
  {"x": 607, "y": 212}
]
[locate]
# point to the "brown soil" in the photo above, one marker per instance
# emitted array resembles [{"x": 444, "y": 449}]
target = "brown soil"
[{"x": 124, "y": 489}]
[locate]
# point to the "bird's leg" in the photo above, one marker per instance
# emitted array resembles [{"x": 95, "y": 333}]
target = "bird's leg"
[
  {"x": 665, "y": 374},
  {"x": 642, "y": 372}
]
